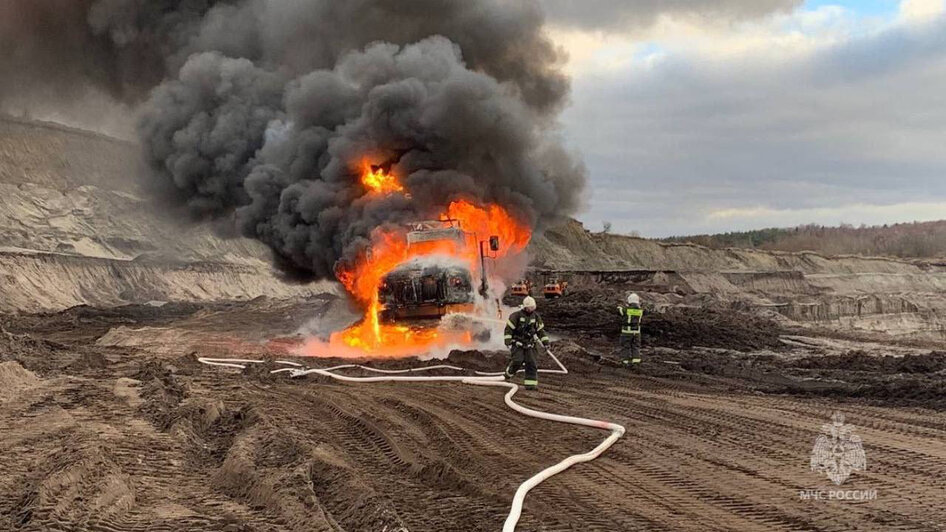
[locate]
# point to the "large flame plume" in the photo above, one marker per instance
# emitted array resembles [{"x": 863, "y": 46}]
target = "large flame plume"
[
  {"x": 389, "y": 249},
  {"x": 377, "y": 179}
]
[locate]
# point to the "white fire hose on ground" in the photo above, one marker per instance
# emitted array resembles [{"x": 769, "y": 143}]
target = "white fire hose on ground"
[{"x": 483, "y": 379}]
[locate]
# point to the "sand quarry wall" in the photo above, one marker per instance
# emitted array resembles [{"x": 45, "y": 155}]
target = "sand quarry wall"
[
  {"x": 569, "y": 246},
  {"x": 848, "y": 292},
  {"x": 77, "y": 228},
  {"x": 43, "y": 281}
]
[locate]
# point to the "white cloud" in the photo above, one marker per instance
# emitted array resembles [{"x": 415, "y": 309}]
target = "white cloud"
[
  {"x": 590, "y": 51},
  {"x": 920, "y": 10},
  {"x": 773, "y": 122},
  {"x": 777, "y": 36}
]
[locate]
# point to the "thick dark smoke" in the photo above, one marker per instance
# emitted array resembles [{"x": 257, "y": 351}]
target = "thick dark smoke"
[
  {"x": 262, "y": 111},
  {"x": 121, "y": 47}
]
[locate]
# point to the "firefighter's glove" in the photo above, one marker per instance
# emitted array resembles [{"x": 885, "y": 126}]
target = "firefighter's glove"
[{"x": 519, "y": 344}]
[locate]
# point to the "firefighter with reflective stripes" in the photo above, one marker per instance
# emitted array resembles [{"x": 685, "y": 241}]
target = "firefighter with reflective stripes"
[
  {"x": 523, "y": 331},
  {"x": 631, "y": 316}
]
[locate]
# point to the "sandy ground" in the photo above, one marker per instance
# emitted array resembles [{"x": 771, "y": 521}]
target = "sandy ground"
[{"x": 107, "y": 422}]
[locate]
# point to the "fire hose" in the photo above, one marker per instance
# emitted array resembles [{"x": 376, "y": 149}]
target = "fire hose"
[{"x": 483, "y": 379}]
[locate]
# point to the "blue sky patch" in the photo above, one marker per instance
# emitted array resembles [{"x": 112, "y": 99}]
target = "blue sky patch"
[{"x": 868, "y": 8}]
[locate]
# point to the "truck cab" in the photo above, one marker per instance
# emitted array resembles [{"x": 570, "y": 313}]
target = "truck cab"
[
  {"x": 425, "y": 288},
  {"x": 435, "y": 283}
]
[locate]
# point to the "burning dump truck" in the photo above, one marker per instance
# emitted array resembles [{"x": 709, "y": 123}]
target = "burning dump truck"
[
  {"x": 433, "y": 286},
  {"x": 414, "y": 275}
]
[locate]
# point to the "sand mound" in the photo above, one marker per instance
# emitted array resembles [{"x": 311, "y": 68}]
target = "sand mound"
[{"x": 15, "y": 378}]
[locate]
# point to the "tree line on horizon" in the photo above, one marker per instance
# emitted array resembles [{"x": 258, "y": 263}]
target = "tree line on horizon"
[{"x": 904, "y": 240}]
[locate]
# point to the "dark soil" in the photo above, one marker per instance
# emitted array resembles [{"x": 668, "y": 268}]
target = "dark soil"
[
  {"x": 912, "y": 380},
  {"x": 162, "y": 393},
  {"x": 593, "y": 313},
  {"x": 184, "y": 446},
  {"x": 84, "y": 322}
]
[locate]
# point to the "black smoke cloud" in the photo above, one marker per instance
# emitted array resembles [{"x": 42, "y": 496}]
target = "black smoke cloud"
[
  {"x": 260, "y": 112},
  {"x": 120, "y": 47}
]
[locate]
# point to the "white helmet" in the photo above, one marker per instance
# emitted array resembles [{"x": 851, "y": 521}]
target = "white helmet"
[
  {"x": 633, "y": 299},
  {"x": 528, "y": 303}
]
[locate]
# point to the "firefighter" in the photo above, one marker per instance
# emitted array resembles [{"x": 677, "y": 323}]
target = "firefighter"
[
  {"x": 631, "y": 317},
  {"x": 523, "y": 330}
]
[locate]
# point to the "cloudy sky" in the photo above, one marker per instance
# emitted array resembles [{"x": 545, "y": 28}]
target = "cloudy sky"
[{"x": 701, "y": 116}]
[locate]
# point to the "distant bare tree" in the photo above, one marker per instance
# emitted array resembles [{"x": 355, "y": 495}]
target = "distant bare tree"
[{"x": 606, "y": 227}]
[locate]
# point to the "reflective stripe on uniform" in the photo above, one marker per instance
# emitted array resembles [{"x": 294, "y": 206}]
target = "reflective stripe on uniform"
[
  {"x": 631, "y": 313},
  {"x": 529, "y": 382}
]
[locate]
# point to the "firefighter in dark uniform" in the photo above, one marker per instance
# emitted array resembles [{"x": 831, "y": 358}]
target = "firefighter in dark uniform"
[
  {"x": 523, "y": 330},
  {"x": 631, "y": 316}
]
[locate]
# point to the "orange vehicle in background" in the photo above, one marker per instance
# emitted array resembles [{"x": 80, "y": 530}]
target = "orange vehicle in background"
[
  {"x": 522, "y": 288},
  {"x": 554, "y": 289}
]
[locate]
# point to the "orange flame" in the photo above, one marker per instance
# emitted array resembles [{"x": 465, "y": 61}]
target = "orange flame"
[
  {"x": 376, "y": 179},
  {"x": 389, "y": 250}
]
